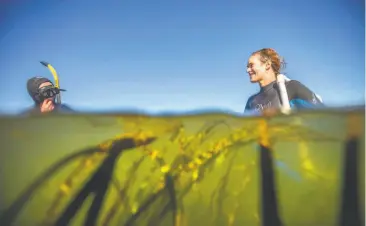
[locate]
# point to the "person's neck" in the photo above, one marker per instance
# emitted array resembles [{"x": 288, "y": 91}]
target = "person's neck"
[{"x": 266, "y": 81}]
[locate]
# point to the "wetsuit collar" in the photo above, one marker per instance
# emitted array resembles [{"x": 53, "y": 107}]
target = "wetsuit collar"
[{"x": 268, "y": 87}]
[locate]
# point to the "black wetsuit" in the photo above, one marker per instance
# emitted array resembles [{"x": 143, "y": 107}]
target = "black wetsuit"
[
  {"x": 269, "y": 97},
  {"x": 59, "y": 108}
]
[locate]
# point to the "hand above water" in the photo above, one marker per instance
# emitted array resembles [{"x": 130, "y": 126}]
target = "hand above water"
[{"x": 47, "y": 106}]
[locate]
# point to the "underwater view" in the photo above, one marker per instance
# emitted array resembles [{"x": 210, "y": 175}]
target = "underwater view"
[{"x": 183, "y": 170}]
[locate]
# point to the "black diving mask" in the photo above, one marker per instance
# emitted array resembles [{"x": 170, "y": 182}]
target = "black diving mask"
[{"x": 47, "y": 92}]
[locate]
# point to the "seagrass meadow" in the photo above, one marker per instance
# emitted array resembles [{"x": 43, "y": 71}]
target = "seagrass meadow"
[{"x": 183, "y": 170}]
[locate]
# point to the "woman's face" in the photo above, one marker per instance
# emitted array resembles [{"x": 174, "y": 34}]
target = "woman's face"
[{"x": 256, "y": 68}]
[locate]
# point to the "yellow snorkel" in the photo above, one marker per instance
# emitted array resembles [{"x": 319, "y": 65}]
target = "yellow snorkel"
[{"x": 55, "y": 77}]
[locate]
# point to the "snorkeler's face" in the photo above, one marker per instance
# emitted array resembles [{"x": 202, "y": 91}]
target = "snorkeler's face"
[
  {"x": 256, "y": 68},
  {"x": 45, "y": 84}
]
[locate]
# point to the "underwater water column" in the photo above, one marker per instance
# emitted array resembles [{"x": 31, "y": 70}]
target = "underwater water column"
[
  {"x": 269, "y": 205},
  {"x": 350, "y": 209}
]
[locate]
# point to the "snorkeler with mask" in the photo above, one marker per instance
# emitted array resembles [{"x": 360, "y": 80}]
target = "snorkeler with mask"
[{"x": 44, "y": 93}]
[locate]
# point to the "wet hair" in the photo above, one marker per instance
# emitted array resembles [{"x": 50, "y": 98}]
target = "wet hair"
[{"x": 268, "y": 54}]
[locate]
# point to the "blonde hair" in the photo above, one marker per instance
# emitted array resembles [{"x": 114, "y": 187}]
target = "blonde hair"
[{"x": 268, "y": 54}]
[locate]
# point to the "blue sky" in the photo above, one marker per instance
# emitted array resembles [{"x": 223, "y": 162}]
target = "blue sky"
[{"x": 178, "y": 55}]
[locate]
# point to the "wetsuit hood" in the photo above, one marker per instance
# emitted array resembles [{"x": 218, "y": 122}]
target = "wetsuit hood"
[{"x": 33, "y": 86}]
